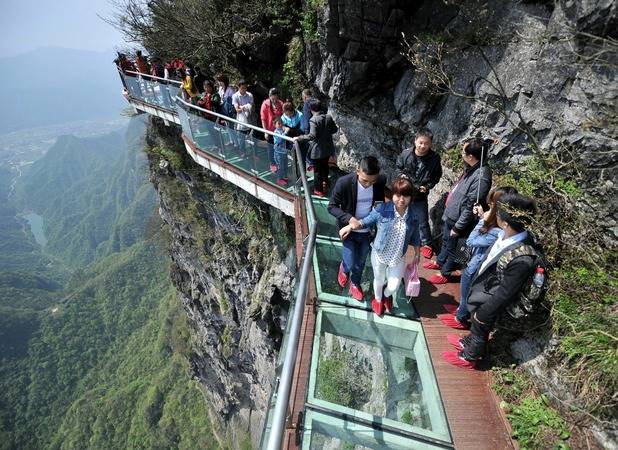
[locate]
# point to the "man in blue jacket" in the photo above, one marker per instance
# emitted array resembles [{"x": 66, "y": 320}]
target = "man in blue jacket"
[{"x": 352, "y": 199}]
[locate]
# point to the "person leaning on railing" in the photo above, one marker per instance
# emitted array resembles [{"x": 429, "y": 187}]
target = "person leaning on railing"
[{"x": 321, "y": 146}]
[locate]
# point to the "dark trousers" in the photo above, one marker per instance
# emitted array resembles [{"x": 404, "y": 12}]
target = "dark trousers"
[
  {"x": 475, "y": 344},
  {"x": 423, "y": 209},
  {"x": 320, "y": 182},
  {"x": 446, "y": 258}
]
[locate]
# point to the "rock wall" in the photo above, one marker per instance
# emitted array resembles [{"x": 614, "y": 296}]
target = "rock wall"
[
  {"x": 234, "y": 281},
  {"x": 553, "y": 63}
]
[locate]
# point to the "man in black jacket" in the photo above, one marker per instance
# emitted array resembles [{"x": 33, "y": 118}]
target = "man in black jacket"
[
  {"x": 500, "y": 278},
  {"x": 423, "y": 167},
  {"x": 353, "y": 197},
  {"x": 321, "y": 146},
  {"x": 459, "y": 219}
]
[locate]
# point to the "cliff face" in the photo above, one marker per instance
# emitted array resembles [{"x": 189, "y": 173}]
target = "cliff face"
[
  {"x": 529, "y": 73},
  {"x": 233, "y": 279}
]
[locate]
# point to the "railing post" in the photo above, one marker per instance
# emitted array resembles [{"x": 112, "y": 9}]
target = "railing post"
[{"x": 277, "y": 430}]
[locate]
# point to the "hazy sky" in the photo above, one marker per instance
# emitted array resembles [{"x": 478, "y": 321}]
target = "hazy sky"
[{"x": 28, "y": 24}]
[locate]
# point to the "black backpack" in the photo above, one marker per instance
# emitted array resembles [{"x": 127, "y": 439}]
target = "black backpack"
[{"x": 530, "y": 296}]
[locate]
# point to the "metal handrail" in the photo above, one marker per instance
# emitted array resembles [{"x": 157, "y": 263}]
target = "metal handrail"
[
  {"x": 145, "y": 75},
  {"x": 279, "y": 415},
  {"x": 229, "y": 119}
]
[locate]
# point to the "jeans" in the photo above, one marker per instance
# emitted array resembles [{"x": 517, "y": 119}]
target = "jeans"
[
  {"x": 271, "y": 151},
  {"x": 382, "y": 274},
  {"x": 354, "y": 254},
  {"x": 423, "y": 218},
  {"x": 281, "y": 159},
  {"x": 463, "y": 315},
  {"x": 447, "y": 252}
]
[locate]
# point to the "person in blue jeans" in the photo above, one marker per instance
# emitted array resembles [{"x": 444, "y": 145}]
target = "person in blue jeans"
[
  {"x": 398, "y": 224},
  {"x": 479, "y": 242},
  {"x": 281, "y": 153},
  {"x": 353, "y": 197}
]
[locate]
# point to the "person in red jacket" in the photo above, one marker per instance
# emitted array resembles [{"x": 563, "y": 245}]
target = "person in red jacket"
[{"x": 272, "y": 108}]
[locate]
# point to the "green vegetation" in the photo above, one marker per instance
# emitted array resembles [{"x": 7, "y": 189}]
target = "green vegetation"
[
  {"x": 341, "y": 378},
  {"x": 110, "y": 202},
  {"x": 536, "y": 425},
  {"x": 309, "y": 20},
  {"x": 293, "y": 81},
  {"x": 98, "y": 358}
]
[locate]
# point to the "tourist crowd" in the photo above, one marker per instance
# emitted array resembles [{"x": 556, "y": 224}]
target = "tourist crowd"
[{"x": 485, "y": 232}]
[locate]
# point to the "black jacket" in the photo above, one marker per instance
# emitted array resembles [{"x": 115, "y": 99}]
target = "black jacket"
[
  {"x": 342, "y": 202},
  {"x": 423, "y": 170},
  {"x": 320, "y": 137},
  {"x": 459, "y": 208},
  {"x": 491, "y": 292}
]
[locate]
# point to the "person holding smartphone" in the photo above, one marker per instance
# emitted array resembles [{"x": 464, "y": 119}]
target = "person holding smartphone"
[{"x": 398, "y": 224}]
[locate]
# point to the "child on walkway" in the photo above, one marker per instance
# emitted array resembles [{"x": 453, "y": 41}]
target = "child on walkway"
[
  {"x": 398, "y": 226},
  {"x": 281, "y": 153}
]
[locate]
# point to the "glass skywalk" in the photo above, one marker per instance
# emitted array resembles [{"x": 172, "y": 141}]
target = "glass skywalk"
[{"x": 371, "y": 382}]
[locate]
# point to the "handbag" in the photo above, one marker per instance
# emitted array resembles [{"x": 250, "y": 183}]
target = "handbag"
[
  {"x": 462, "y": 252},
  {"x": 413, "y": 284}
]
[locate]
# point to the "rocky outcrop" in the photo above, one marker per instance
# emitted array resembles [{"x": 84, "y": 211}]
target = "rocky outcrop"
[
  {"x": 234, "y": 282},
  {"x": 526, "y": 73}
]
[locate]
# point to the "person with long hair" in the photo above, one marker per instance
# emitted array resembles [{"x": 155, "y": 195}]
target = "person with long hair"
[
  {"x": 479, "y": 242},
  {"x": 398, "y": 224}
]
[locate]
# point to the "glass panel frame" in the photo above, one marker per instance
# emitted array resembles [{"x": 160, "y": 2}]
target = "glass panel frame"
[
  {"x": 430, "y": 393},
  {"x": 330, "y": 292},
  {"x": 356, "y": 434}
]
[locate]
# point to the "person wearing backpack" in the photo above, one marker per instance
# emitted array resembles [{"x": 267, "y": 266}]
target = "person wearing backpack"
[
  {"x": 479, "y": 242},
  {"x": 504, "y": 272}
]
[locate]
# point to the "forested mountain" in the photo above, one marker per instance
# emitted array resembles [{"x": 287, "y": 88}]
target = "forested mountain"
[
  {"x": 93, "y": 193},
  {"x": 96, "y": 358}
]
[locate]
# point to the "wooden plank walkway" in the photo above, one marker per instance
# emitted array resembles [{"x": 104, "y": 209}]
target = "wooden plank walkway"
[{"x": 474, "y": 416}]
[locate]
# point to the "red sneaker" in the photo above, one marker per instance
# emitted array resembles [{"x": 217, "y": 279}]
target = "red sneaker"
[
  {"x": 451, "y": 309},
  {"x": 273, "y": 168},
  {"x": 451, "y": 320},
  {"x": 318, "y": 193},
  {"x": 455, "y": 341},
  {"x": 282, "y": 182},
  {"x": 455, "y": 359},
  {"x": 342, "y": 277},
  {"x": 427, "y": 251},
  {"x": 388, "y": 303},
  {"x": 309, "y": 168},
  {"x": 438, "y": 278},
  {"x": 356, "y": 292},
  {"x": 377, "y": 306},
  {"x": 431, "y": 265}
]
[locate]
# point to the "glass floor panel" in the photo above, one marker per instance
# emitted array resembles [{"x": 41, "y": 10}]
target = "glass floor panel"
[
  {"x": 326, "y": 261},
  {"x": 377, "y": 369},
  {"x": 323, "y": 431},
  {"x": 327, "y": 224}
]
